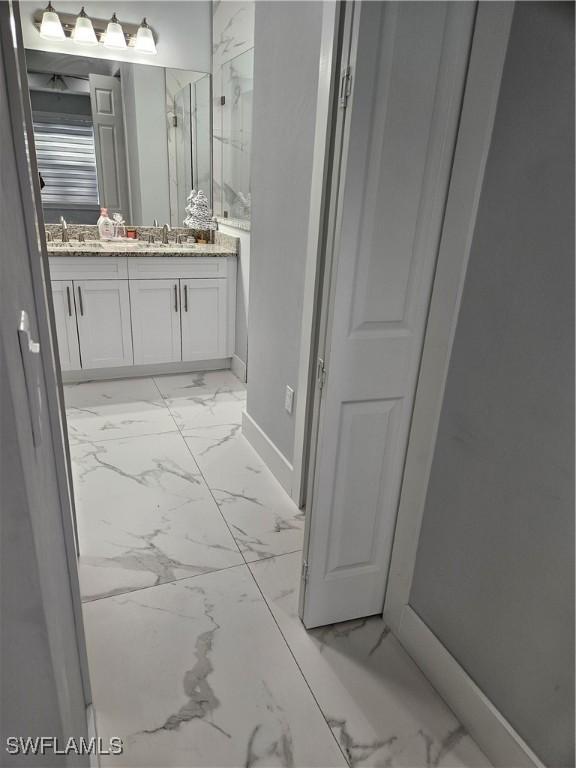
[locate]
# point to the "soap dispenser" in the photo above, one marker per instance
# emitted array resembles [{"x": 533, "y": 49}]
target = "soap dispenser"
[{"x": 105, "y": 225}]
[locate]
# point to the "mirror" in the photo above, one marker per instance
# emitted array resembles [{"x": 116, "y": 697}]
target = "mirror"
[{"x": 134, "y": 138}]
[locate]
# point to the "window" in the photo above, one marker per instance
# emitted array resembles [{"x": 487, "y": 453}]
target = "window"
[{"x": 66, "y": 161}]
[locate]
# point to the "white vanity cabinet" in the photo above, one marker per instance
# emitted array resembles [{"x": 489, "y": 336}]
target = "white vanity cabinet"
[
  {"x": 66, "y": 329},
  {"x": 156, "y": 313},
  {"x": 155, "y": 308},
  {"x": 103, "y": 317},
  {"x": 204, "y": 318}
]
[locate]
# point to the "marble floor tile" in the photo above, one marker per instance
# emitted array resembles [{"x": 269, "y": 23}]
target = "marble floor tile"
[
  {"x": 379, "y": 705},
  {"x": 145, "y": 515},
  {"x": 195, "y": 673},
  {"x": 262, "y": 517},
  {"x": 203, "y": 399},
  {"x": 105, "y": 410}
]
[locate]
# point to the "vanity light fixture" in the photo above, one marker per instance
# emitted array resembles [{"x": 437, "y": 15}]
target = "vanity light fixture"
[
  {"x": 114, "y": 35},
  {"x": 85, "y": 30},
  {"x": 145, "y": 39},
  {"x": 51, "y": 27},
  {"x": 83, "y": 33}
]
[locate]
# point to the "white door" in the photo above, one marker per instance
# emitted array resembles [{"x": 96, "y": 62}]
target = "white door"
[
  {"x": 155, "y": 310},
  {"x": 41, "y": 631},
  {"x": 408, "y": 66},
  {"x": 65, "y": 319},
  {"x": 108, "y": 120},
  {"x": 103, "y": 314},
  {"x": 204, "y": 319}
]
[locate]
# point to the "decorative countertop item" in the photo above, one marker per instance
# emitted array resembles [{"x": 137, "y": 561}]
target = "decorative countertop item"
[{"x": 199, "y": 214}]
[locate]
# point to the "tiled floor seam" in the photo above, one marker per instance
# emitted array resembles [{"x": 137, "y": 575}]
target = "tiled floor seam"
[
  {"x": 297, "y": 663},
  {"x": 201, "y": 473},
  {"x": 163, "y": 583},
  {"x": 333, "y": 735}
]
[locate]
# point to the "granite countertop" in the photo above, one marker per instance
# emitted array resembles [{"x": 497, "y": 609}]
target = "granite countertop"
[{"x": 138, "y": 248}]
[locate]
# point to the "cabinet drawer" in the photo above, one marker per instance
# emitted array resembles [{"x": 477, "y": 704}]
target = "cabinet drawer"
[
  {"x": 88, "y": 267},
  {"x": 149, "y": 267}
]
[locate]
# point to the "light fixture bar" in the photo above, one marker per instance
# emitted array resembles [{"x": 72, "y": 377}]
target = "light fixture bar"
[{"x": 68, "y": 21}]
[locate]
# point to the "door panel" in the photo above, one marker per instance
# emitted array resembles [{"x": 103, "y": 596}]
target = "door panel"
[
  {"x": 204, "y": 319},
  {"x": 155, "y": 310},
  {"x": 103, "y": 314},
  {"x": 107, "y": 116},
  {"x": 65, "y": 318},
  {"x": 408, "y": 65}
]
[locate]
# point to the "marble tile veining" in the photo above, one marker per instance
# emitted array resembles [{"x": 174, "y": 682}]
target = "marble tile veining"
[
  {"x": 145, "y": 515},
  {"x": 196, "y": 658},
  {"x": 195, "y": 673},
  {"x": 379, "y": 705},
  {"x": 262, "y": 517},
  {"x": 203, "y": 399},
  {"x": 106, "y": 410}
]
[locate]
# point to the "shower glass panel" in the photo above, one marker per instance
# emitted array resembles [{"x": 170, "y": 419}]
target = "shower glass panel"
[{"x": 237, "y": 88}]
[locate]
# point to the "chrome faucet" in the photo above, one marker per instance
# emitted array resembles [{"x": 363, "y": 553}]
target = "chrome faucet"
[
  {"x": 165, "y": 230},
  {"x": 65, "y": 236}
]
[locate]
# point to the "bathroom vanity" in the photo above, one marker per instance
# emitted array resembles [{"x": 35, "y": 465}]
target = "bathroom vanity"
[{"x": 127, "y": 310}]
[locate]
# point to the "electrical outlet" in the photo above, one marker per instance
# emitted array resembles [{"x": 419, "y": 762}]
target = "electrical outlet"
[{"x": 289, "y": 399}]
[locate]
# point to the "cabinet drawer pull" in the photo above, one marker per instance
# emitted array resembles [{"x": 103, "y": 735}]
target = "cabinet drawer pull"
[
  {"x": 185, "y": 298},
  {"x": 175, "y": 297},
  {"x": 80, "y": 301},
  {"x": 69, "y": 302}
]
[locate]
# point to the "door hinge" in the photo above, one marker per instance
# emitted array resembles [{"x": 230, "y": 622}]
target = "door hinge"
[
  {"x": 304, "y": 574},
  {"x": 321, "y": 373},
  {"x": 345, "y": 86},
  {"x": 175, "y": 121},
  {"x": 222, "y": 100}
]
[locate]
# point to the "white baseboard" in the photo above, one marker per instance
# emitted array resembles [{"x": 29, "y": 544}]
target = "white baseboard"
[
  {"x": 238, "y": 367},
  {"x": 276, "y": 462},
  {"x": 133, "y": 371},
  {"x": 485, "y": 724}
]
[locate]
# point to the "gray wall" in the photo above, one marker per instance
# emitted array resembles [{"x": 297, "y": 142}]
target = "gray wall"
[
  {"x": 286, "y": 56},
  {"x": 494, "y": 576}
]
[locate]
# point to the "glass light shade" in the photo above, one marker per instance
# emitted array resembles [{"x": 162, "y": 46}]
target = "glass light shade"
[
  {"x": 51, "y": 27},
  {"x": 84, "y": 31},
  {"x": 145, "y": 39},
  {"x": 114, "y": 37}
]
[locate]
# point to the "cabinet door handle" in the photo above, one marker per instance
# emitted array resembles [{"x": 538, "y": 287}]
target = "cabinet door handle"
[
  {"x": 69, "y": 302},
  {"x": 80, "y": 301},
  {"x": 185, "y": 298},
  {"x": 175, "y": 297}
]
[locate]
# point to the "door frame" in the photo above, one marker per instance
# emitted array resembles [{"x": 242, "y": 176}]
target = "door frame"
[
  {"x": 335, "y": 44},
  {"x": 494, "y": 734},
  {"x": 21, "y": 116}
]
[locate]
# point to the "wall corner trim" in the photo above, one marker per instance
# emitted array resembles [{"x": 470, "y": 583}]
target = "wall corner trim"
[
  {"x": 276, "y": 462},
  {"x": 238, "y": 367}
]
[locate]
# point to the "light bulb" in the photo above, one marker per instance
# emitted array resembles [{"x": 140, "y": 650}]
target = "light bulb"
[
  {"x": 114, "y": 37},
  {"x": 51, "y": 27},
  {"x": 145, "y": 39},
  {"x": 84, "y": 31}
]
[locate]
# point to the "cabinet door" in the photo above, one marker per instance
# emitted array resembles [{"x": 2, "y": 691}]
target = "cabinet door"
[
  {"x": 65, "y": 317},
  {"x": 155, "y": 308},
  {"x": 204, "y": 319},
  {"x": 103, "y": 314}
]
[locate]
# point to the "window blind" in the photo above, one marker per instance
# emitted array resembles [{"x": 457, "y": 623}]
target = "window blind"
[{"x": 67, "y": 161}]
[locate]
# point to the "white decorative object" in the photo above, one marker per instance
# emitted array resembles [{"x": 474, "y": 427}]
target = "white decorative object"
[
  {"x": 199, "y": 214},
  {"x": 119, "y": 225}
]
